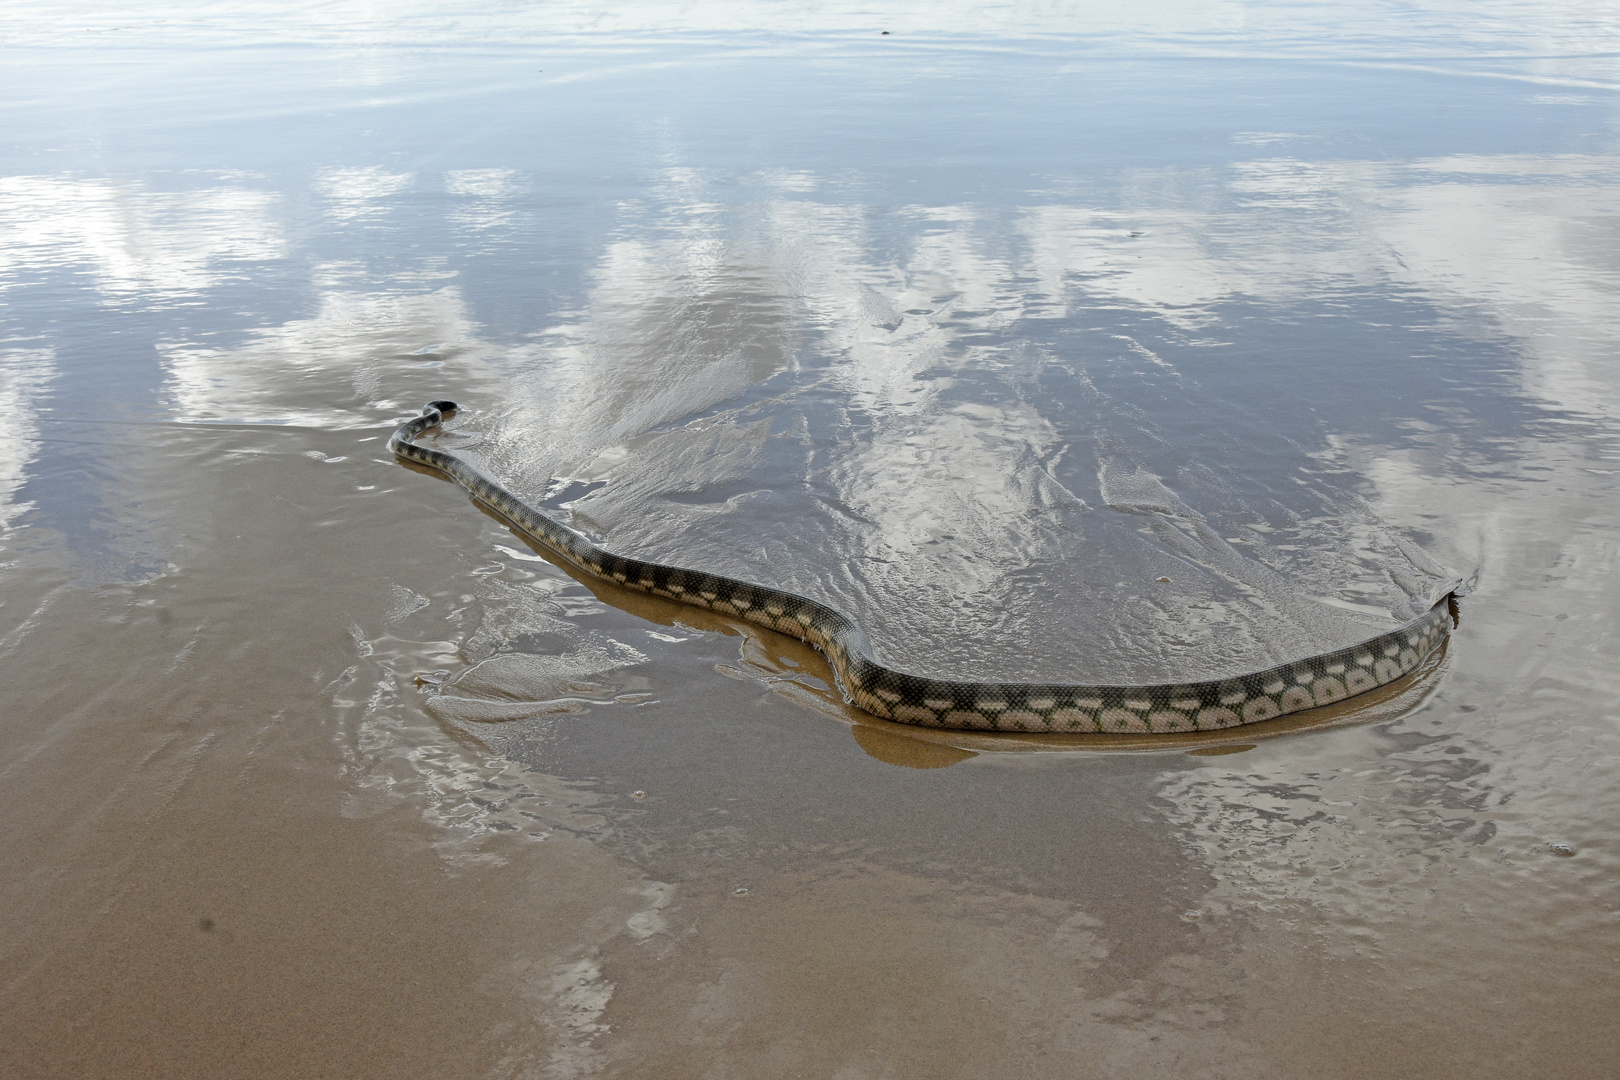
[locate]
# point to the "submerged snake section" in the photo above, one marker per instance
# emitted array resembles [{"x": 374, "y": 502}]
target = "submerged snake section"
[{"x": 941, "y": 703}]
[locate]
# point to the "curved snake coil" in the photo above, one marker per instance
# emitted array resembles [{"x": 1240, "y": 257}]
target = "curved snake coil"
[{"x": 939, "y": 703}]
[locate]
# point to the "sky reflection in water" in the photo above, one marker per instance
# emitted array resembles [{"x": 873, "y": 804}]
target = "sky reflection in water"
[
  {"x": 978, "y": 347},
  {"x": 977, "y": 331},
  {"x": 1134, "y": 356}
]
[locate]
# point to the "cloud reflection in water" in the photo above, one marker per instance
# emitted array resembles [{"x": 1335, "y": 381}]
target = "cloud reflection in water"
[{"x": 920, "y": 470}]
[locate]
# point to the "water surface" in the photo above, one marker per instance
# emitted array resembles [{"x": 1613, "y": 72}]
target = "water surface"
[{"x": 1047, "y": 342}]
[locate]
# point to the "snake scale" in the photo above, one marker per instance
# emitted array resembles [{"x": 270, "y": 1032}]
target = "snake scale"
[{"x": 941, "y": 703}]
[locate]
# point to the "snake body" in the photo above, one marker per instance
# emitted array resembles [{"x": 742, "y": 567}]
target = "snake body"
[{"x": 941, "y": 703}]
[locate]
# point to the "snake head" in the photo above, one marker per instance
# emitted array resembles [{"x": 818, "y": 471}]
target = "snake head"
[{"x": 445, "y": 408}]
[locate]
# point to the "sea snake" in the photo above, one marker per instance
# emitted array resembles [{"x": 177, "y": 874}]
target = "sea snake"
[{"x": 942, "y": 703}]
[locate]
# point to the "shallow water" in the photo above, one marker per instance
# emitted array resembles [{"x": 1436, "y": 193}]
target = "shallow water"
[{"x": 1047, "y": 342}]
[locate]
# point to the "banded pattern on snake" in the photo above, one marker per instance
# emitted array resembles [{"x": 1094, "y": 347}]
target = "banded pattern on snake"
[{"x": 939, "y": 703}]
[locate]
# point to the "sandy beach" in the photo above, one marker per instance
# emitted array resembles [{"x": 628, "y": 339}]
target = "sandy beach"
[{"x": 1151, "y": 350}]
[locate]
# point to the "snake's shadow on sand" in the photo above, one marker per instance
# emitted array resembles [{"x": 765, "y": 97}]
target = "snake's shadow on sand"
[{"x": 933, "y": 748}]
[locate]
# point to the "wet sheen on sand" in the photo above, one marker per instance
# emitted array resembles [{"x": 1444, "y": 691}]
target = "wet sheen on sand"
[{"x": 1170, "y": 349}]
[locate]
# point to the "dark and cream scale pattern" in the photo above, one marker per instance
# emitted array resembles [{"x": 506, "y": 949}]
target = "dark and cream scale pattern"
[{"x": 940, "y": 703}]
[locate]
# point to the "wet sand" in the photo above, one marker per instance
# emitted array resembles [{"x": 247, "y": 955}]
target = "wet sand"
[
  {"x": 227, "y": 855},
  {"x": 309, "y": 766}
]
